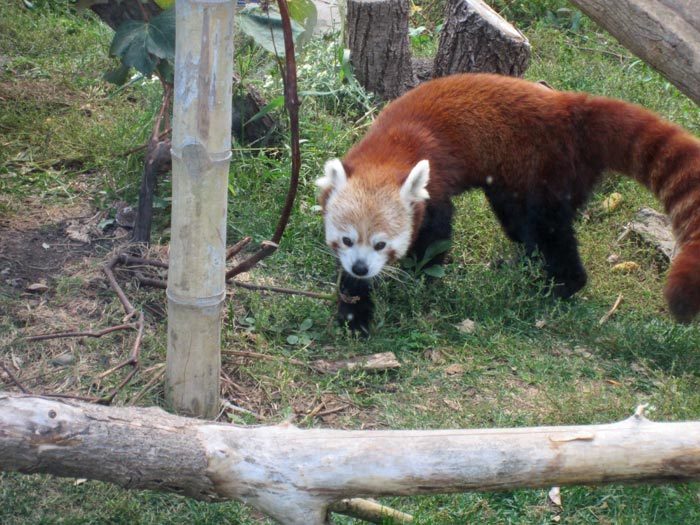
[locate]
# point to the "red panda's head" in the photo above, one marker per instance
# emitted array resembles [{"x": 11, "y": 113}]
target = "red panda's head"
[{"x": 369, "y": 223}]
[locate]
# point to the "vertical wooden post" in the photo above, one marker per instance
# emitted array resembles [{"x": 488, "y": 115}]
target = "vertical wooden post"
[{"x": 201, "y": 152}]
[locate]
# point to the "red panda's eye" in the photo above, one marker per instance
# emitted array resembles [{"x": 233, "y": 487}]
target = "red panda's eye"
[
  {"x": 380, "y": 246},
  {"x": 347, "y": 241}
]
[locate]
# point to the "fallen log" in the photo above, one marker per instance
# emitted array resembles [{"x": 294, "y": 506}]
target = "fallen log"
[
  {"x": 664, "y": 33},
  {"x": 296, "y": 475}
]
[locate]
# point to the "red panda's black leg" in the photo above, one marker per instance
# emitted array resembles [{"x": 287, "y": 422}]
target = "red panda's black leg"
[
  {"x": 355, "y": 304},
  {"x": 436, "y": 226},
  {"x": 509, "y": 211},
  {"x": 550, "y": 232}
]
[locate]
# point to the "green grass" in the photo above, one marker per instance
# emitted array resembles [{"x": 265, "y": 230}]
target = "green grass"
[{"x": 572, "y": 370}]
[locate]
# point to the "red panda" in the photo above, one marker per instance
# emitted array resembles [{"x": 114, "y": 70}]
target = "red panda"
[{"x": 536, "y": 153}]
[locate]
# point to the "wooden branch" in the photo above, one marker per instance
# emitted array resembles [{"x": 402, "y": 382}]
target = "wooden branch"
[
  {"x": 267, "y": 248},
  {"x": 95, "y": 334},
  {"x": 291, "y": 102},
  {"x": 370, "y": 363},
  {"x": 370, "y": 511},
  {"x": 237, "y": 248},
  {"x": 294, "y": 475},
  {"x": 13, "y": 379},
  {"x": 664, "y": 33},
  {"x": 286, "y": 291}
]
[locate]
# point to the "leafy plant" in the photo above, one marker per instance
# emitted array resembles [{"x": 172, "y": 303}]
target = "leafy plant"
[
  {"x": 564, "y": 18},
  {"x": 303, "y": 335},
  {"x": 146, "y": 45},
  {"x": 422, "y": 266},
  {"x": 265, "y": 28}
]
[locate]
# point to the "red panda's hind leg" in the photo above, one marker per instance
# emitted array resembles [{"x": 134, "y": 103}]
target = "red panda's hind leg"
[
  {"x": 509, "y": 211},
  {"x": 549, "y": 231}
]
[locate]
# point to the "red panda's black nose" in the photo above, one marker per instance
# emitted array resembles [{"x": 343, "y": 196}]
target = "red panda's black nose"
[{"x": 359, "y": 268}]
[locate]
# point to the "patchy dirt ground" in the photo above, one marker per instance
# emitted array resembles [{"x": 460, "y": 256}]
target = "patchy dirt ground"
[
  {"x": 36, "y": 246},
  {"x": 51, "y": 260}
]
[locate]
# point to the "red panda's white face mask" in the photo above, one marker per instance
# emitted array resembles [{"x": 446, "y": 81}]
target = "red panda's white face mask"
[{"x": 369, "y": 225}]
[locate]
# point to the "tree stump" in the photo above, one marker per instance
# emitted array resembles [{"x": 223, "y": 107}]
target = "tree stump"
[
  {"x": 476, "y": 39},
  {"x": 379, "y": 47}
]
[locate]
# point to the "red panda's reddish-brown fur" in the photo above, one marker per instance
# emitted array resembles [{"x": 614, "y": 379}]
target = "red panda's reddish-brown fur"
[{"x": 527, "y": 145}]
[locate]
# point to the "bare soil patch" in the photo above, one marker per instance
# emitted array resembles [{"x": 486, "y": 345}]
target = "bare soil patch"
[{"x": 36, "y": 245}]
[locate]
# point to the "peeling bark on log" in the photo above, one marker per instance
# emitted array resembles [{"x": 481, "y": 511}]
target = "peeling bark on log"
[
  {"x": 294, "y": 475},
  {"x": 380, "y": 51},
  {"x": 664, "y": 33},
  {"x": 476, "y": 39}
]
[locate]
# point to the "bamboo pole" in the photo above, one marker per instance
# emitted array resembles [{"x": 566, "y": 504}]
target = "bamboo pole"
[
  {"x": 201, "y": 155},
  {"x": 296, "y": 476}
]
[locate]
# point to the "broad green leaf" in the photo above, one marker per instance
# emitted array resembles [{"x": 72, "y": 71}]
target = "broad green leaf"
[
  {"x": 140, "y": 44},
  {"x": 162, "y": 33},
  {"x": 436, "y": 248},
  {"x": 273, "y": 104},
  {"x": 305, "y": 324},
  {"x": 304, "y": 12},
  {"x": 166, "y": 70},
  {"x": 436, "y": 271},
  {"x": 118, "y": 75},
  {"x": 164, "y": 4},
  {"x": 266, "y": 28},
  {"x": 293, "y": 339}
]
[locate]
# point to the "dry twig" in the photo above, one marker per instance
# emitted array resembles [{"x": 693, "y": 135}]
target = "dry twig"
[
  {"x": 13, "y": 379},
  {"x": 612, "y": 310}
]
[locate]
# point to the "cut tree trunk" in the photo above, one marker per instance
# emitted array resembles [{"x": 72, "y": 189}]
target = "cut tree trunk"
[
  {"x": 476, "y": 39},
  {"x": 294, "y": 475},
  {"x": 664, "y": 33},
  {"x": 380, "y": 51},
  {"x": 201, "y": 153}
]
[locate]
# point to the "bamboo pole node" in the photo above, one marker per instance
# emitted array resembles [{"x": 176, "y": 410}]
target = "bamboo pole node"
[
  {"x": 213, "y": 157},
  {"x": 201, "y": 302}
]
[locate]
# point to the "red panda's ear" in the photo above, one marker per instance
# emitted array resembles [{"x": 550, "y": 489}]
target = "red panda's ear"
[
  {"x": 413, "y": 189},
  {"x": 334, "y": 177}
]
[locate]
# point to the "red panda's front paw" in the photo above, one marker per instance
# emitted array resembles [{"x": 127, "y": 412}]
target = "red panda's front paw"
[{"x": 356, "y": 316}]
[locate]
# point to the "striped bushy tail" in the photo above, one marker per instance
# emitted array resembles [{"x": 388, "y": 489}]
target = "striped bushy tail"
[{"x": 666, "y": 159}]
